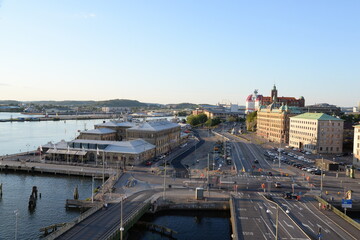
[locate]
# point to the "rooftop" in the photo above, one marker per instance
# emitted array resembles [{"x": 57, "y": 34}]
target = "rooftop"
[
  {"x": 100, "y": 131},
  {"x": 317, "y": 116},
  {"x": 136, "y": 146},
  {"x": 154, "y": 126},
  {"x": 116, "y": 124}
]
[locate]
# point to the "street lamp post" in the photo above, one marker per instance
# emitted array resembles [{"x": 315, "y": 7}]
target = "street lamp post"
[
  {"x": 208, "y": 174},
  {"x": 321, "y": 177},
  {"x": 277, "y": 221},
  {"x": 164, "y": 194},
  {"x": 92, "y": 189},
  {"x": 279, "y": 155},
  {"x": 121, "y": 220}
]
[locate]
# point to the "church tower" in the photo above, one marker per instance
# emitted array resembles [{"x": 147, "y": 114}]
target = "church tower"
[{"x": 274, "y": 94}]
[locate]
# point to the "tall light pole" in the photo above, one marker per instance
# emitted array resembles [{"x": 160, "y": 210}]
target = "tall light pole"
[
  {"x": 92, "y": 189},
  {"x": 16, "y": 223},
  {"x": 103, "y": 173},
  {"x": 121, "y": 219},
  {"x": 277, "y": 223},
  {"x": 321, "y": 177},
  {"x": 280, "y": 154},
  {"x": 208, "y": 168},
  {"x": 164, "y": 194}
]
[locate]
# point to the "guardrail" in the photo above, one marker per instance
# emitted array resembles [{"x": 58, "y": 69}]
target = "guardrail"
[
  {"x": 71, "y": 224},
  {"x": 128, "y": 220},
  {"x": 339, "y": 213}
]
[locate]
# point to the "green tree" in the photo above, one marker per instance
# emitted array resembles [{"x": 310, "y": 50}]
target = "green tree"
[
  {"x": 251, "y": 120},
  {"x": 192, "y": 120},
  {"x": 212, "y": 122},
  {"x": 202, "y": 118}
]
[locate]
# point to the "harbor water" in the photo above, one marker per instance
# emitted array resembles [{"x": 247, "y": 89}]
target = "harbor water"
[
  {"x": 194, "y": 225},
  {"x": 15, "y": 216},
  {"x": 20, "y": 137}
]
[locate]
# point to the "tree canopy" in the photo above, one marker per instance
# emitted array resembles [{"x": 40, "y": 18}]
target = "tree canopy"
[{"x": 195, "y": 120}]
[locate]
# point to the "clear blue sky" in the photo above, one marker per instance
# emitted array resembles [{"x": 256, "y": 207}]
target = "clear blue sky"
[{"x": 174, "y": 51}]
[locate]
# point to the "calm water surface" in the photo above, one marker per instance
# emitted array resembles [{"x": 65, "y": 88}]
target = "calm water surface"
[
  {"x": 190, "y": 225},
  {"x": 18, "y": 137},
  {"x": 50, "y": 208}
]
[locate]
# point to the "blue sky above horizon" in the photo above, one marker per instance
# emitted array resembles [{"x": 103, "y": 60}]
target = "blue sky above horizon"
[{"x": 176, "y": 51}]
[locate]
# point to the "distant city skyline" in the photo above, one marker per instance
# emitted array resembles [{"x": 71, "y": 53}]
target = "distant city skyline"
[{"x": 180, "y": 51}]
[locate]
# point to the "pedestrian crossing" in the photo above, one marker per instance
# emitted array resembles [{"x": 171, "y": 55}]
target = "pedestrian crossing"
[{"x": 245, "y": 175}]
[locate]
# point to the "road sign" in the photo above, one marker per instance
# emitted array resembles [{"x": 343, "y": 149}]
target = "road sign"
[{"x": 346, "y": 203}]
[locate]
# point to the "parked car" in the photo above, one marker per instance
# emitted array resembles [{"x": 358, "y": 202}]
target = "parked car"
[{"x": 278, "y": 185}]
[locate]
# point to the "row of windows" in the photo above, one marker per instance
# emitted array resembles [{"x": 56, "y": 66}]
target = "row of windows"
[
  {"x": 301, "y": 138},
  {"x": 329, "y": 123},
  {"x": 302, "y": 133},
  {"x": 304, "y": 122},
  {"x": 302, "y": 127},
  {"x": 329, "y": 149}
]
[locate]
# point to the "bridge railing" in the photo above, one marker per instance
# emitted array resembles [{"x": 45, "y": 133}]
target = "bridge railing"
[
  {"x": 69, "y": 225},
  {"x": 129, "y": 220},
  {"x": 339, "y": 213}
]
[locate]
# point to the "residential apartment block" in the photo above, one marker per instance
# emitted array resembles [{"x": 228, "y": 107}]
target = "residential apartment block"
[{"x": 317, "y": 133}]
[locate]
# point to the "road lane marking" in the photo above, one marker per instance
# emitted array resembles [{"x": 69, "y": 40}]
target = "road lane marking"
[
  {"x": 305, "y": 225},
  {"x": 289, "y": 225},
  {"x": 284, "y": 228}
]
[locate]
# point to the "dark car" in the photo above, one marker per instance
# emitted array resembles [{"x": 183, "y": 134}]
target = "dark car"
[
  {"x": 270, "y": 173},
  {"x": 289, "y": 195},
  {"x": 256, "y": 161}
]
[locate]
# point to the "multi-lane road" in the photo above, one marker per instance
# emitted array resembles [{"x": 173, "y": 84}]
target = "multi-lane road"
[
  {"x": 257, "y": 219},
  {"x": 256, "y": 216}
]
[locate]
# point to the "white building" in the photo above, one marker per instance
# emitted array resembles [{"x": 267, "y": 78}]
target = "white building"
[
  {"x": 356, "y": 152},
  {"x": 317, "y": 133},
  {"x": 253, "y": 102}
]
